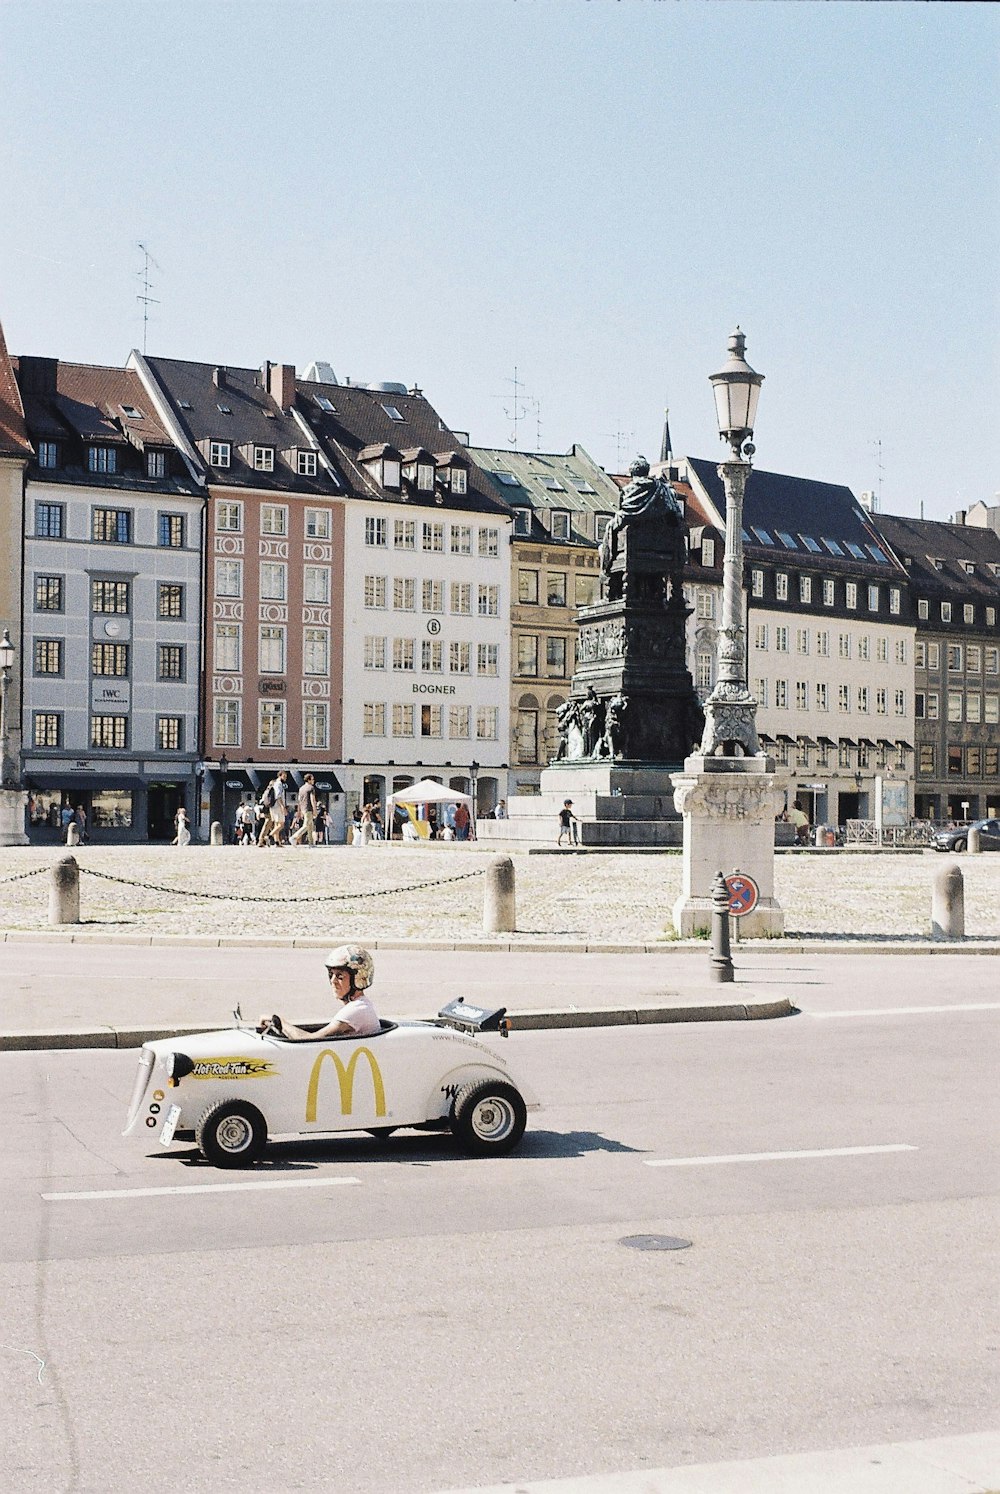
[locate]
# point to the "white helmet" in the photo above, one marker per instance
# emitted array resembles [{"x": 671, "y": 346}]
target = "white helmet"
[{"x": 355, "y": 959}]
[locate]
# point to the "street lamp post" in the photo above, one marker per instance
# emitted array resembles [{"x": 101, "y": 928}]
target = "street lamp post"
[
  {"x": 474, "y": 775},
  {"x": 223, "y": 769},
  {"x": 6, "y": 664},
  {"x": 730, "y": 710}
]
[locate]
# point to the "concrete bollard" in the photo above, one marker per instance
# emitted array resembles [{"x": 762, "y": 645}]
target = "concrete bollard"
[
  {"x": 819, "y": 838},
  {"x": 499, "y": 915},
  {"x": 64, "y": 891},
  {"x": 948, "y": 904},
  {"x": 73, "y": 834},
  {"x": 972, "y": 841},
  {"x": 721, "y": 964},
  {"x": 215, "y": 834}
]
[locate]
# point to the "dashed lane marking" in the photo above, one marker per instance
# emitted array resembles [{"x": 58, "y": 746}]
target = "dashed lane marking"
[
  {"x": 261, "y": 1186},
  {"x": 911, "y": 1011},
  {"x": 839, "y": 1151}
]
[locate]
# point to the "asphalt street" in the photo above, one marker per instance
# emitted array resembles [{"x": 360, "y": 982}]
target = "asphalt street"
[{"x": 403, "y": 1319}]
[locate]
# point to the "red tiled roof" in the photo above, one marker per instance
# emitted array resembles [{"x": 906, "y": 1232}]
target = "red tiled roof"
[{"x": 13, "y": 432}]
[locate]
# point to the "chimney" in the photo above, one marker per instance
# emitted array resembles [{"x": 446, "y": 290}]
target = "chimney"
[
  {"x": 219, "y": 378},
  {"x": 37, "y": 375},
  {"x": 280, "y": 383},
  {"x": 959, "y": 517}
]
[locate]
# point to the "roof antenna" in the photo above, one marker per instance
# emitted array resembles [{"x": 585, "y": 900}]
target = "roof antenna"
[
  {"x": 519, "y": 410},
  {"x": 623, "y": 443},
  {"x": 879, "y": 467},
  {"x": 147, "y": 285}
]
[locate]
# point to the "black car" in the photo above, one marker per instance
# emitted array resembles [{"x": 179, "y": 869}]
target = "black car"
[{"x": 957, "y": 838}]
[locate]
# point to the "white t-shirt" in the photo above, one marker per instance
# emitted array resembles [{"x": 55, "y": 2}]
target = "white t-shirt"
[{"x": 359, "y": 1014}]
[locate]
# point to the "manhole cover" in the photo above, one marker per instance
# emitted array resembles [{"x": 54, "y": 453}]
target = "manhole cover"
[{"x": 654, "y": 1242}]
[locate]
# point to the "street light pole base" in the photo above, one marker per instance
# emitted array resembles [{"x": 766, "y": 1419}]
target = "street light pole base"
[{"x": 12, "y": 807}]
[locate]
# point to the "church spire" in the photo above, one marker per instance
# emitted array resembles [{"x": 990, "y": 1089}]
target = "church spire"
[{"x": 666, "y": 451}]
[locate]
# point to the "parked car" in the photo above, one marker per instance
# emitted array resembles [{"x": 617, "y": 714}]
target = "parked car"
[
  {"x": 229, "y": 1090},
  {"x": 957, "y": 838}
]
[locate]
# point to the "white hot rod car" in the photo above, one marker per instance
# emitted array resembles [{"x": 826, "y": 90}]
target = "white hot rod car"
[{"x": 228, "y": 1091}]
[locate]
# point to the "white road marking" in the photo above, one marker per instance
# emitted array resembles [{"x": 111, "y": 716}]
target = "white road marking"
[
  {"x": 839, "y": 1151},
  {"x": 201, "y": 1188},
  {"x": 908, "y": 1011}
]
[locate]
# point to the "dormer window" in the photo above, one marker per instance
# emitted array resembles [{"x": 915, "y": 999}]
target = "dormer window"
[
  {"x": 132, "y": 412},
  {"x": 459, "y": 480},
  {"x": 263, "y": 459},
  {"x": 156, "y": 464},
  {"x": 560, "y": 522},
  {"x": 219, "y": 453},
  {"x": 390, "y": 473},
  {"x": 970, "y": 569},
  {"x": 708, "y": 552},
  {"x": 102, "y": 459},
  {"x": 306, "y": 464},
  {"x": 522, "y": 521},
  {"x": 48, "y": 454}
]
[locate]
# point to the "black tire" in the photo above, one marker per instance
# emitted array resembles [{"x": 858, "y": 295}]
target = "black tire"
[
  {"x": 959, "y": 845},
  {"x": 232, "y": 1133},
  {"x": 488, "y": 1118}
]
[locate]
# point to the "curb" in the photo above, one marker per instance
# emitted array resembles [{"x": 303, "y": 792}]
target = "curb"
[{"x": 530, "y": 1021}]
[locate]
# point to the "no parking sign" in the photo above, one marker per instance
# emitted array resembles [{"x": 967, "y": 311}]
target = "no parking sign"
[{"x": 744, "y": 894}]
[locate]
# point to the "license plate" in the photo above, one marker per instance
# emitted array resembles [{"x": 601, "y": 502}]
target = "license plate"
[{"x": 170, "y": 1125}]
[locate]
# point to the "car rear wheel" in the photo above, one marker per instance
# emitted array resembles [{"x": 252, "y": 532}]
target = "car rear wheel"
[
  {"x": 232, "y": 1133},
  {"x": 488, "y": 1117},
  {"x": 959, "y": 845}
]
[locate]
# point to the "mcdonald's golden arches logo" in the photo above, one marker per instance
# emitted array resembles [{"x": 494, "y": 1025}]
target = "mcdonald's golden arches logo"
[{"x": 345, "y": 1078}]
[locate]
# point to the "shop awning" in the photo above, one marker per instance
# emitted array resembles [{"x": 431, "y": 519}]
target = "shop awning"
[
  {"x": 907, "y": 745},
  {"x": 97, "y": 780},
  {"x": 865, "y": 742},
  {"x": 827, "y": 742},
  {"x": 782, "y": 737}
]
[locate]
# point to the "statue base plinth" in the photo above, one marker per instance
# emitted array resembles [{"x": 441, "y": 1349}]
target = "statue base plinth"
[
  {"x": 617, "y": 804},
  {"x": 728, "y": 806},
  {"x": 12, "y": 807}
]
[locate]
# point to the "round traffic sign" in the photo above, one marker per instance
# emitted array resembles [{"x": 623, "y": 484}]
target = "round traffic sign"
[{"x": 743, "y": 894}]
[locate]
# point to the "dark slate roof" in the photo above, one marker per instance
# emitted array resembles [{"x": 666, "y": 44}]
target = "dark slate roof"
[
  {"x": 80, "y": 404},
  {"x": 254, "y": 419},
  {"x": 800, "y": 508},
  {"x": 936, "y": 557},
  {"x": 360, "y": 421},
  {"x": 13, "y": 431},
  {"x": 526, "y": 478}
]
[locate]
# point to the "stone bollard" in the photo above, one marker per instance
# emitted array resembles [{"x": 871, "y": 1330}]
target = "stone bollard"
[
  {"x": 721, "y": 966},
  {"x": 972, "y": 841},
  {"x": 73, "y": 834},
  {"x": 64, "y": 891},
  {"x": 215, "y": 834},
  {"x": 948, "y": 904},
  {"x": 498, "y": 897},
  {"x": 819, "y": 839}
]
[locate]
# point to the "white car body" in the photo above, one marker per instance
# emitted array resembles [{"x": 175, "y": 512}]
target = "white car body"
[{"x": 408, "y": 1074}]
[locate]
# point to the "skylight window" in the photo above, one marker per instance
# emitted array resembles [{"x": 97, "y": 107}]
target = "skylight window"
[
  {"x": 224, "y": 410},
  {"x": 325, "y": 404},
  {"x": 832, "y": 546},
  {"x": 582, "y": 485},
  {"x": 762, "y": 535},
  {"x": 786, "y": 539},
  {"x": 810, "y": 544},
  {"x": 747, "y": 539},
  {"x": 393, "y": 413},
  {"x": 553, "y": 484},
  {"x": 878, "y": 554},
  {"x": 184, "y": 404},
  {"x": 132, "y": 412},
  {"x": 855, "y": 550},
  {"x": 507, "y": 478}
]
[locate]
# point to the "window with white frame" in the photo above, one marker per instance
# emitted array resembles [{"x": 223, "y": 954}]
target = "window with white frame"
[
  {"x": 881, "y": 702},
  {"x": 489, "y": 543},
  {"x": 459, "y": 658},
  {"x": 225, "y": 722},
  {"x": 432, "y": 656},
  {"x": 802, "y": 640},
  {"x": 488, "y": 602},
  {"x": 894, "y": 600},
  {"x": 823, "y": 643},
  {"x": 432, "y": 537},
  {"x": 802, "y": 695},
  {"x": 374, "y": 718},
  {"x": 968, "y": 613},
  {"x": 933, "y": 705},
  {"x": 404, "y": 594},
  {"x": 390, "y": 473},
  {"x": 486, "y": 723},
  {"x": 851, "y": 596},
  {"x": 757, "y": 583},
  {"x": 900, "y": 650},
  {"x": 522, "y": 521},
  {"x": 432, "y": 596},
  {"x": 781, "y": 639},
  {"x": 991, "y": 617},
  {"x": 487, "y": 658},
  {"x": 864, "y": 648},
  {"x": 274, "y": 519},
  {"x": 708, "y": 552},
  {"x": 781, "y": 586},
  {"x": 974, "y": 707},
  {"x": 991, "y": 709},
  {"x": 306, "y": 463},
  {"x": 403, "y": 653},
  {"x": 933, "y": 656},
  {"x": 316, "y": 583},
  {"x": 844, "y": 645},
  {"x": 760, "y": 691},
  {"x": 863, "y": 699},
  {"x": 781, "y": 695},
  {"x": 920, "y": 655},
  {"x": 315, "y": 724},
  {"x": 459, "y": 480},
  {"x": 555, "y": 657},
  {"x": 229, "y": 578},
  {"x": 229, "y": 517},
  {"x": 459, "y": 721},
  {"x": 923, "y": 609},
  {"x": 873, "y": 598},
  {"x": 271, "y": 653},
  {"x": 992, "y": 658},
  {"x": 822, "y": 696},
  {"x": 375, "y": 591},
  {"x": 316, "y": 651},
  {"x": 273, "y": 580},
  {"x": 219, "y": 453},
  {"x": 430, "y": 721},
  {"x": 900, "y": 702},
  {"x": 805, "y": 588},
  {"x": 882, "y": 650},
  {"x": 272, "y": 723},
  {"x": 761, "y": 637},
  {"x": 375, "y": 531},
  {"x": 404, "y": 534},
  {"x": 263, "y": 459},
  {"x": 402, "y": 721},
  {"x": 461, "y": 597},
  {"x": 946, "y": 612},
  {"x": 318, "y": 523},
  {"x": 374, "y": 652},
  {"x": 560, "y": 524},
  {"x": 705, "y": 603},
  {"x": 703, "y": 671},
  {"x": 973, "y": 658},
  {"x": 527, "y": 654},
  {"x": 954, "y": 658},
  {"x": 829, "y": 593},
  {"x": 227, "y": 648},
  {"x": 843, "y": 698},
  {"x": 955, "y": 703},
  {"x": 461, "y": 539}
]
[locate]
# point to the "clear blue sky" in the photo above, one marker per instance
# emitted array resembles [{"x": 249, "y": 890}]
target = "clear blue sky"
[{"x": 595, "y": 191}]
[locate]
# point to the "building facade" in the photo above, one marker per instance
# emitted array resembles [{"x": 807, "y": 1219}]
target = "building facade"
[{"x": 561, "y": 505}]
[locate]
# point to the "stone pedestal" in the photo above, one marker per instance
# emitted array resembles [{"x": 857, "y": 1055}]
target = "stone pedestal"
[
  {"x": 12, "y": 806},
  {"x": 616, "y": 803},
  {"x": 728, "y": 805}
]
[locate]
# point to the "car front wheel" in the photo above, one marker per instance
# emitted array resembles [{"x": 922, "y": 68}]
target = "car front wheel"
[
  {"x": 959, "y": 845},
  {"x": 232, "y": 1133},
  {"x": 488, "y": 1118}
]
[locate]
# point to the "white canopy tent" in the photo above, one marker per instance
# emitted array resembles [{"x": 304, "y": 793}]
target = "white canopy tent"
[{"x": 429, "y": 792}]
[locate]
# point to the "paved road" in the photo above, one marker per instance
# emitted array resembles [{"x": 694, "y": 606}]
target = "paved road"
[{"x": 420, "y": 1322}]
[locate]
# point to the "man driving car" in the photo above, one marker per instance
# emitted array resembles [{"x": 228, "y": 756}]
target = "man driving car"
[{"x": 351, "y": 970}]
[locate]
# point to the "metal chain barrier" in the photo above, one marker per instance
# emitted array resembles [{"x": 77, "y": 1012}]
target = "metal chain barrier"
[
  {"x": 227, "y": 897},
  {"x": 23, "y": 876}
]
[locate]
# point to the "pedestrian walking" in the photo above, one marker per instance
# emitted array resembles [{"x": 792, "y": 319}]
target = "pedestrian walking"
[
  {"x": 182, "y": 836},
  {"x": 307, "y": 811},
  {"x": 567, "y": 824},
  {"x": 322, "y": 824},
  {"x": 463, "y": 821},
  {"x": 275, "y": 804},
  {"x": 81, "y": 823}
]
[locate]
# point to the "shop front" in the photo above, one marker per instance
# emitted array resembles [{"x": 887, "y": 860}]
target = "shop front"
[{"x": 111, "y": 803}]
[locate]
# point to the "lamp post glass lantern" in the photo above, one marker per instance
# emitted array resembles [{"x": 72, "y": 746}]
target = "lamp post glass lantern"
[
  {"x": 730, "y": 711},
  {"x": 6, "y": 665}
]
